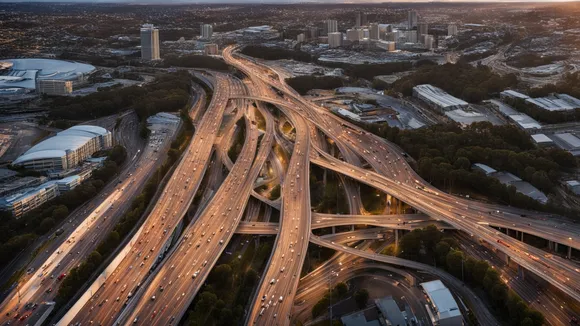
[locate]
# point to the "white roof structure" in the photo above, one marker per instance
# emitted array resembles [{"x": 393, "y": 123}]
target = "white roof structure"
[
  {"x": 486, "y": 169},
  {"x": 25, "y": 72},
  {"x": 570, "y": 139},
  {"x": 541, "y": 139},
  {"x": 442, "y": 299},
  {"x": 557, "y": 102},
  {"x": 525, "y": 121},
  {"x": 69, "y": 139},
  {"x": 439, "y": 96},
  {"x": 514, "y": 94}
]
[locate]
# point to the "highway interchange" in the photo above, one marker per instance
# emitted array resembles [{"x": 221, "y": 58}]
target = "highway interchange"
[{"x": 167, "y": 260}]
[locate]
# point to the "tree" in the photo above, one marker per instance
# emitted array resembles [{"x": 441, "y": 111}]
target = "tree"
[
  {"x": 462, "y": 163},
  {"x": 441, "y": 250},
  {"x": 46, "y": 225},
  {"x": 454, "y": 262},
  {"x": 491, "y": 278},
  {"x": 479, "y": 271},
  {"x": 222, "y": 276},
  {"x": 341, "y": 289},
  {"x": 60, "y": 212},
  {"x": 361, "y": 297}
]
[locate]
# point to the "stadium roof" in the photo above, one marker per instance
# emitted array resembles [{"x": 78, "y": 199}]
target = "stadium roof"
[
  {"x": 439, "y": 96},
  {"x": 24, "y": 72},
  {"x": 69, "y": 139},
  {"x": 442, "y": 299}
]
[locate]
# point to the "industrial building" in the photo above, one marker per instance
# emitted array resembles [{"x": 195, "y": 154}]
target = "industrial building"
[
  {"x": 65, "y": 150},
  {"x": 437, "y": 98},
  {"x": 542, "y": 140},
  {"x": 149, "y": 42},
  {"x": 555, "y": 103},
  {"x": 512, "y": 95},
  {"x": 443, "y": 308}
]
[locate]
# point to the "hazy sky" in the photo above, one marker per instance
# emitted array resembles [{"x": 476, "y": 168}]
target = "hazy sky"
[{"x": 274, "y": 1}]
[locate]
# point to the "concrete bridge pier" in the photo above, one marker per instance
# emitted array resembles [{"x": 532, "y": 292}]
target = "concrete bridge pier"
[
  {"x": 569, "y": 254},
  {"x": 521, "y": 272}
]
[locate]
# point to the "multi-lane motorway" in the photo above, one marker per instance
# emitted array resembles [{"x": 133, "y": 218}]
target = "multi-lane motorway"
[{"x": 167, "y": 261}]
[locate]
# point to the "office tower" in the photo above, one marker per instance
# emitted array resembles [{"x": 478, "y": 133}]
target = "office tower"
[
  {"x": 429, "y": 41},
  {"x": 334, "y": 39},
  {"x": 332, "y": 26},
  {"x": 301, "y": 37},
  {"x": 412, "y": 19},
  {"x": 149, "y": 42},
  {"x": 422, "y": 29},
  {"x": 313, "y": 33},
  {"x": 452, "y": 30},
  {"x": 389, "y": 28},
  {"x": 324, "y": 28},
  {"x": 374, "y": 31},
  {"x": 354, "y": 35},
  {"x": 364, "y": 19},
  {"x": 206, "y": 31},
  {"x": 211, "y": 49},
  {"x": 357, "y": 19}
]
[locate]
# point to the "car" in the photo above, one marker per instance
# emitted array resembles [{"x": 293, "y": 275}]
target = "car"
[
  {"x": 273, "y": 281},
  {"x": 49, "y": 290},
  {"x": 152, "y": 298},
  {"x": 61, "y": 276}
]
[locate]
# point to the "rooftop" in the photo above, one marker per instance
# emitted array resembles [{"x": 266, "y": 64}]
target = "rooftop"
[
  {"x": 24, "y": 72},
  {"x": 515, "y": 94},
  {"x": 69, "y": 139},
  {"x": 557, "y": 102},
  {"x": 438, "y": 96},
  {"x": 442, "y": 299},
  {"x": 541, "y": 139}
]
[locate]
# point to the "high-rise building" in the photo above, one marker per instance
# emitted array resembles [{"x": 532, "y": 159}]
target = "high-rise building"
[
  {"x": 374, "y": 31},
  {"x": 354, "y": 35},
  {"x": 301, "y": 38},
  {"x": 412, "y": 19},
  {"x": 334, "y": 39},
  {"x": 422, "y": 29},
  {"x": 314, "y": 33},
  {"x": 149, "y": 42},
  {"x": 332, "y": 26},
  {"x": 452, "y": 30},
  {"x": 206, "y": 31},
  {"x": 360, "y": 19},
  {"x": 428, "y": 41}
]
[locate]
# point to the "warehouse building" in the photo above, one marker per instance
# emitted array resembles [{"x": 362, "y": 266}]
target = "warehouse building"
[
  {"x": 442, "y": 307},
  {"x": 66, "y": 150},
  {"x": 437, "y": 98},
  {"x": 555, "y": 103}
]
